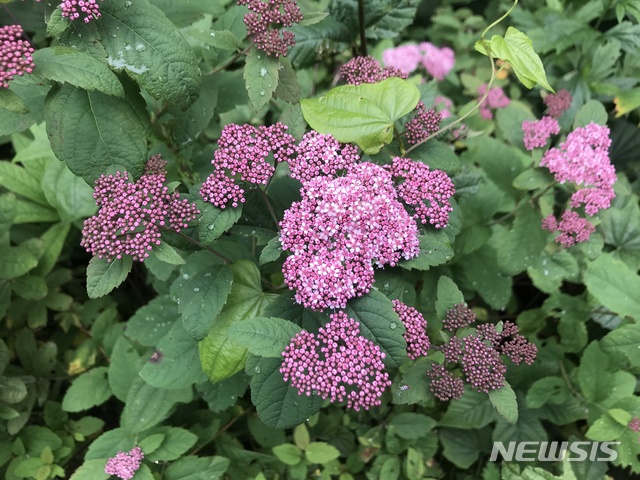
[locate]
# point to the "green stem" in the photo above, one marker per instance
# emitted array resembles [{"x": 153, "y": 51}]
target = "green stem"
[
  {"x": 231, "y": 61},
  {"x": 515, "y": 3},
  {"x": 269, "y": 207}
]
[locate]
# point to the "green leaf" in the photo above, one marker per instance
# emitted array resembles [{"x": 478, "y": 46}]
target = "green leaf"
[
  {"x": 533, "y": 179},
  {"x": 70, "y": 195},
  {"x": 380, "y": 324},
  {"x": 123, "y": 368},
  {"x": 188, "y": 125},
  {"x": 412, "y": 425},
  {"x": 310, "y": 40},
  {"x": 288, "y": 88},
  {"x": 277, "y": 403},
  {"x": 16, "y": 261},
  {"x": 591, "y": 112},
  {"x": 109, "y": 444},
  {"x": 271, "y": 252},
  {"x": 509, "y": 121},
  {"x": 12, "y": 390},
  {"x": 547, "y": 390},
  {"x": 103, "y": 276},
  {"x": 437, "y": 155},
  {"x": 288, "y": 454},
  {"x": 176, "y": 442},
  {"x": 197, "y": 468},
  {"x": 321, "y": 452},
  {"x": 435, "y": 249},
  {"x": 91, "y": 470},
  {"x": 68, "y": 65},
  {"x": 449, "y": 295},
  {"x": 30, "y": 287},
  {"x": 146, "y": 406},
  {"x": 548, "y": 271},
  {"x": 595, "y": 383},
  {"x": 11, "y": 101},
  {"x": 203, "y": 290},
  {"x": 215, "y": 221},
  {"x": 517, "y": 49},
  {"x": 462, "y": 447},
  {"x": 82, "y": 132},
  {"x": 151, "y": 443},
  {"x": 524, "y": 242},
  {"x": 261, "y": 77},
  {"x": 220, "y": 357},
  {"x": 623, "y": 341},
  {"x": 21, "y": 182},
  {"x": 178, "y": 365},
  {"x": 627, "y": 101},
  {"x": 605, "y": 429},
  {"x": 142, "y": 42},
  {"x": 504, "y": 400},
  {"x": 473, "y": 411},
  {"x": 264, "y": 337},
  {"x": 166, "y": 253},
  {"x": 614, "y": 285},
  {"x": 220, "y": 396},
  {"x": 53, "y": 240},
  {"x": 88, "y": 390},
  {"x": 387, "y": 18},
  {"x": 362, "y": 114},
  {"x": 482, "y": 274},
  {"x": 152, "y": 321}
]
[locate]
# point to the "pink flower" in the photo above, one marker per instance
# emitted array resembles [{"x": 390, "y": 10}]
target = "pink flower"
[
  {"x": 495, "y": 99},
  {"x": 15, "y": 54},
  {"x": 558, "y": 104},
  {"x": 125, "y": 464},
  {"x": 242, "y": 152},
  {"x": 424, "y": 123},
  {"x": 428, "y": 191},
  {"x": 481, "y": 365},
  {"x": 319, "y": 154},
  {"x": 443, "y": 106},
  {"x": 415, "y": 330},
  {"x": 89, "y": 8},
  {"x": 460, "y": 316},
  {"x": 572, "y": 227},
  {"x": 361, "y": 70},
  {"x": 338, "y": 230},
  {"x": 437, "y": 61},
  {"x": 131, "y": 214},
  {"x": 444, "y": 385},
  {"x": 405, "y": 58},
  {"x": 338, "y": 364},
  {"x": 265, "y": 21},
  {"x": 536, "y": 133}
]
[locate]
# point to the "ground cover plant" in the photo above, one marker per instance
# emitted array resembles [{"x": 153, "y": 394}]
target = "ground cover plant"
[{"x": 319, "y": 239}]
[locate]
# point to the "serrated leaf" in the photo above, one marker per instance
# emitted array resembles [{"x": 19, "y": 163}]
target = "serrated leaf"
[
  {"x": 524, "y": 242},
  {"x": 82, "y": 132},
  {"x": 11, "y": 101},
  {"x": 176, "y": 442},
  {"x": 123, "y": 367},
  {"x": 591, "y": 112},
  {"x": 277, "y": 403},
  {"x": 435, "y": 249},
  {"x": 152, "y": 321},
  {"x": 16, "y": 261},
  {"x": 288, "y": 88},
  {"x": 288, "y": 454},
  {"x": 411, "y": 425},
  {"x": 215, "y": 221},
  {"x": 188, "y": 125},
  {"x": 177, "y": 364},
  {"x": 614, "y": 285},
  {"x": 197, "y": 468},
  {"x": 168, "y": 254},
  {"x": 103, "y": 276},
  {"x": 203, "y": 290},
  {"x": 261, "y": 77},
  {"x": 70, "y": 195},
  {"x": 264, "y": 337},
  {"x": 473, "y": 411},
  {"x": 220, "y": 357},
  {"x": 624, "y": 341},
  {"x": 21, "y": 182},
  {"x": 627, "y": 101},
  {"x": 448, "y": 296},
  {"x": 362, "y": 114},
  {"x": 147, "y": 406},
  {"x": 88, "y": 390},
  {"x": 68, "y": 65},
  {"x": 380, "y": 323},
  {"x": 505, "y": 402}
]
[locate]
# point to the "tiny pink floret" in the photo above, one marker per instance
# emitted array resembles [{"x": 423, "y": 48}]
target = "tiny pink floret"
[{"x": 125, "y": 464}]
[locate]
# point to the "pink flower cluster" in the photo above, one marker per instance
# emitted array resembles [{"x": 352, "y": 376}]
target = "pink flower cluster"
[
  {"x": 265, "y": 21},
  {"x": 438, "y": 62},
  {"x": 242, "y": 152},
  {"x": 415, "y": 330},
  {"x": 338, "y": 230},
  {"x": 634, "y": 424},
  {"x": 558, "y": 104},
  {"x": 478, "y": 354},
  {"x": 320, "y": 154},
  {"x": 125, "y": 464},
  {"x": 443, "y": 106},
  {"x": 537, "y": 132},
  {"x": 71, "y": 9},
  {"x": 131, "y": 214},
  {"x": 361, "y": 70},
  {"x": 424, "y": 123},
  {"x": 15, "y": 54},
  {"x": 582, "y": 159},
  {"x": 338, "y": 364},
  {"x": 495, "y": 99},
  {"x": 460, "y": 316},
  {"x": 428, "y": 191}
]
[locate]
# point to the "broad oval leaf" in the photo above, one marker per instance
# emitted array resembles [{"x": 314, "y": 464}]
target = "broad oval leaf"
[
  {"x": 265, "y": 337},
  {"x": 142, "y": 41},
  {"x": 64, "y": 64},
  {"x": 362, "y": 114},
  {"x": 103, "y": 276},
  {"x": 261, "y": 77},
  {"x": 83, "y": 133}
]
